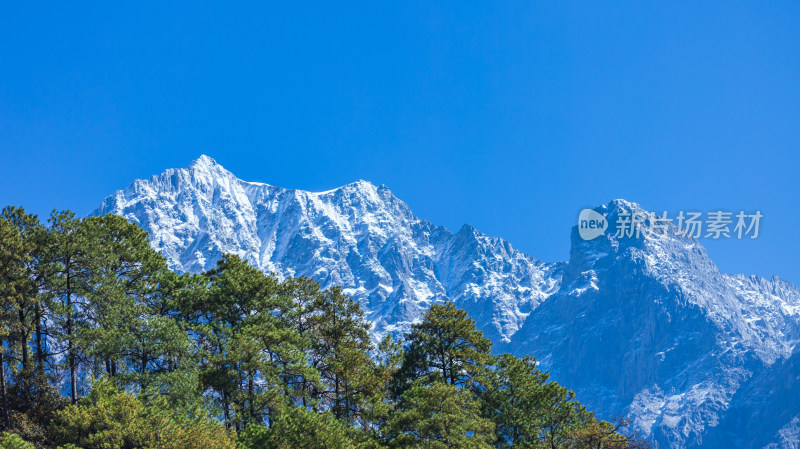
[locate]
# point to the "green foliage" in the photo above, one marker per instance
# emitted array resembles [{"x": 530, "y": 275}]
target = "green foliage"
[
  {"x": 440, "y": 415},
  {"x": 299, "y": 428},
  {"x": 529, "y": 411},
  {"x": 14, "y": 441},
  {"x": 252, "y": 359},
  {"x": 153, "y": 359},
  {"x": 115, "y": 420},
  {"x": 599, "y": 435},
  {"x": 33, "y": 401},
  {"x": 125, "y": 328},
  {"x": 445, "y": 347},
  {"x": 340, "y": 352}
]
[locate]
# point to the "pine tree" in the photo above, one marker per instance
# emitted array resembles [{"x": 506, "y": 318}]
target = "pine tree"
[
  {"x": 445, "y": 347},
  {"x": 14, "y": 441},
  {"x": 299, "y": 428},
  {"x": 108, "y": 418},
  {"x": 20, "y": 235},
  {"x": 439, "y": 416},
  {"x": 254, "y": 359},
  {"x": 22, "y": 245},
  {"x": 515, "y": 402},
  {"x": 129, "y": 330},
  {"x": 11, "y": 285},
  {"x": 378, "y": 407},
  {"x": 341, "y": 354},
  {"x": 528, "y": 410},
  {"x": 233, "y": 290},
  {"x": 66, "y": 255}
]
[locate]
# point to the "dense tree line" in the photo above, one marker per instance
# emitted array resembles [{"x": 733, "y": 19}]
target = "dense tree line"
[{"x": 102, "y": 346}]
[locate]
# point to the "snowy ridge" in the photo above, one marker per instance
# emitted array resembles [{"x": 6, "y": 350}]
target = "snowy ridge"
[
  {"x": 649, "y": 327},
  {"x": 646, "y": 327},
  {"x": 359, "y": 236}
]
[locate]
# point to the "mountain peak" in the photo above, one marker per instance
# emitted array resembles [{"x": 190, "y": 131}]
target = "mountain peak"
[
  {"x": 467, "y": 229},
  {"x": 204, "y": 161},
  {"x": 623, "y": 204},
  {"x": 207, "y": 170},
  {"x": 361, "y": 184}
]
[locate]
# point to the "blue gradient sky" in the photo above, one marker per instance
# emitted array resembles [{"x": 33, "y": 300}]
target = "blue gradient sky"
[{"x": 511, "y": 117}]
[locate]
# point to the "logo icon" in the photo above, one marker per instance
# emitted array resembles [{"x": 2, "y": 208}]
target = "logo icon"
[{"x": 591, "y": 224}]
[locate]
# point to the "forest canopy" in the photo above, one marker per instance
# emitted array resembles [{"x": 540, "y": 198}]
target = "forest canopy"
[{"x": 103, "y": 346}]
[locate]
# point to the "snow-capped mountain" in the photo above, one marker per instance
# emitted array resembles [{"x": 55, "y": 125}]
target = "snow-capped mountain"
[
  {"x": 645, "y": 327},
  {"x": 359, "y": 236},
  {"x": 649, "y": 326}
]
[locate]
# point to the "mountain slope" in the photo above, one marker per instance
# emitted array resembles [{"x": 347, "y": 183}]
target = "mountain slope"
[
  {"x": 650, "y": 327},
  {"x": 646, "y": 327},
  {"x": 766, "y": 406},
  {"x": 358, "y": 236}
]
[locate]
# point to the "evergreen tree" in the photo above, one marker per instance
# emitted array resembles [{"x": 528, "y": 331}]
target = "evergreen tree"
[
  {"x": 22, "y": 241},
  {"x": 515, "y": 399},
  {"x": 439, "y": 416},
  {"x": 603, "y": 435},
  {"x": 129, "y": 330},
  {"x": 14, "y": 441},
  {"x": 445, "y": 347},
  {"x": 20, "y": 235},
  {"x": 29, "y": 402},
  {"x": 531, "y": 412},
  {"x": 66, "y": 255},
  {"x": 378, "y": 408},
  {"x": 108, "y": 418},
  {"x": 299, "y": 428},
  {"x": 12, "y": 287},
  {"x": 341, "y": 355},
  {"x": 254, "y": 359}
]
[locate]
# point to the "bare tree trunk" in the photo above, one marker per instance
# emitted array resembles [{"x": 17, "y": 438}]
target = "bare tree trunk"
[
  {"x": 252, "y": 395},
  {"x": 24, "y": 340},
  {"x": 73, "y": 374},
  {"x": 226, "y": 410},
  {"x": 39, "y": 345},
  {"x": 6, "y": 421}
]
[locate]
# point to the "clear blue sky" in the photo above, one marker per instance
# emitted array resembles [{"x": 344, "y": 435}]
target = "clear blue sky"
[{"x": 508, "y": 116}]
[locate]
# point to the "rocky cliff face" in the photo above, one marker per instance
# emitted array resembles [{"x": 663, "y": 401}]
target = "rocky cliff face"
[
  {"x": 646, "y": 327},
  {"x": 359, "y": 236},
  {"x": 649, "y": 326}
]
